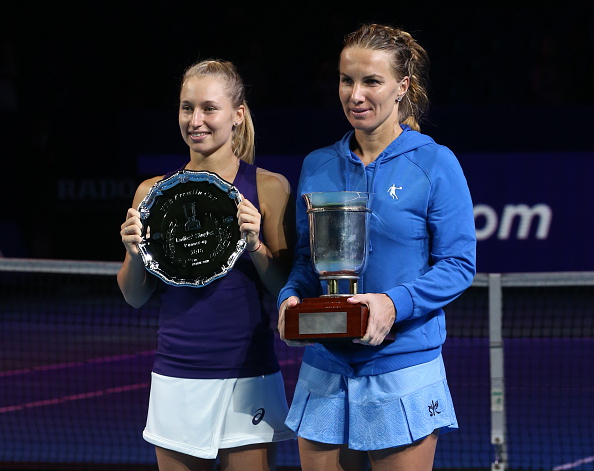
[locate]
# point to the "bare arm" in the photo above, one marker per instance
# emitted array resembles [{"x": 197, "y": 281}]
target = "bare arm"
[
  {"x": 273, "y": 258},
  {"x": 135, "y": 282}
]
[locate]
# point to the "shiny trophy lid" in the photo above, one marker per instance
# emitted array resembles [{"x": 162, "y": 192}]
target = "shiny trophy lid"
[{"x": 190, "y": 232}]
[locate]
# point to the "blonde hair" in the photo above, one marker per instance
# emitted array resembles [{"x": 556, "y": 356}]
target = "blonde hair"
[
  {"x": 408, "y": 59},
  {"x": 243, "y": 141}
]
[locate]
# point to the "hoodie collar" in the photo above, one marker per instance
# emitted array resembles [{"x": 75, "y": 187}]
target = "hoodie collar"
[{"x": 407, "y": 141}]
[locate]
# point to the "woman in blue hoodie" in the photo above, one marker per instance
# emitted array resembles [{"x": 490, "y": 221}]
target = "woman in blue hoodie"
[{"x": 367, "y": 399}]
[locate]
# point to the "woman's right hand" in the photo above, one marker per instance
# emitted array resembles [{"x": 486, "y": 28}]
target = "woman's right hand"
[
  {"x": 291, "y": 301},
  {"x": 131, "y": 230}
]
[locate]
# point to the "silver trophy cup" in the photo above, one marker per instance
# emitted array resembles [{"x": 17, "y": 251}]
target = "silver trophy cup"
[
  {"x": 338, "y": 229},
  {"x": 338, "y": 237}
]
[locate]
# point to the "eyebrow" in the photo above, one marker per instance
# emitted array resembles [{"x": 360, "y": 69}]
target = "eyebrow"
[
  {"x": 371, "y": 76},
  {"x": 205, "y": 103}
]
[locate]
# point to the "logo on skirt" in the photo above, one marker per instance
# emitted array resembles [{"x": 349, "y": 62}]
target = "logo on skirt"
[
  {"x": 433, "y": 408},
  {"x": 258, "y": 416}
]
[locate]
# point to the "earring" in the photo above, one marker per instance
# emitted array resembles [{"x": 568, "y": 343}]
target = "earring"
[
  {"x": 235, "y": 124},
  {"x": 399, "y": 99}
]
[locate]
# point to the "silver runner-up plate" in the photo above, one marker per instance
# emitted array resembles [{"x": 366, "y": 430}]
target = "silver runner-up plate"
[{"x": 190, "y": 232}]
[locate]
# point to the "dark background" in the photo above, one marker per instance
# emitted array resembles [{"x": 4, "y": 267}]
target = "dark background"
[
  {"x": 88, "y": 92},
  {"x": 88, "y": 108}
]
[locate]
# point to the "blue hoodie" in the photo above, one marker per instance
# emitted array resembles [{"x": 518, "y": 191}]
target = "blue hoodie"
[{"x": 422, "y": 246}]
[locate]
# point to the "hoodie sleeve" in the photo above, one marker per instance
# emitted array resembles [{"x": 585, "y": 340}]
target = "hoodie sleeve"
[
  {"x": 303, "y": 281},
  {"x": 452, "y": 247},
  {"x": 321, "y": 171}
]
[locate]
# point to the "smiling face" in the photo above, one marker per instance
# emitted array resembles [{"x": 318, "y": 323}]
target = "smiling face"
[
  {"x": 368, "y": 89},
  {"x": 207, "y": 115}
]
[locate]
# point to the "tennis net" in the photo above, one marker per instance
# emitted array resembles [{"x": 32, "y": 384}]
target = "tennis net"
[{"x": 76, "y": 362}]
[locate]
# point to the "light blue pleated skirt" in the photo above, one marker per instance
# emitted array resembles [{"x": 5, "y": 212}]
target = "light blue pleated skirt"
[{"x": 372, "y": 412}]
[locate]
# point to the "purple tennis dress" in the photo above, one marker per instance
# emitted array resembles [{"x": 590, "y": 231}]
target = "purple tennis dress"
[{"x": 221, "y": 330}]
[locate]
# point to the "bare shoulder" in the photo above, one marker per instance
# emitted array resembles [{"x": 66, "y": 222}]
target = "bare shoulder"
[
  {"x": 144, "y": 188},
  {"x": 272, "y": 183}
]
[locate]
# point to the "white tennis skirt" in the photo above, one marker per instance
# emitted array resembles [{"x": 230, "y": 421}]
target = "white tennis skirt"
[
  {"x": 372, "y": 412},
  {"x": 199, "y": 416}
]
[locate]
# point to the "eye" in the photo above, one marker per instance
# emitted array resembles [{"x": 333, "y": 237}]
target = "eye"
[
  {"x": 185, "y": 107},
  {"x": 373, "y": 82},
  {"x": 346, "y": 80}
]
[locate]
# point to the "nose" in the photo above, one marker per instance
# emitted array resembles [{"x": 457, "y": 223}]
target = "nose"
[
  {"x": 357, "y": 95},
  {"x": 196, "y": 120}
]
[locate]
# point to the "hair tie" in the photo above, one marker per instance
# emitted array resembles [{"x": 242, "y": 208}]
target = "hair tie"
[{"x": 256, "y": 249}]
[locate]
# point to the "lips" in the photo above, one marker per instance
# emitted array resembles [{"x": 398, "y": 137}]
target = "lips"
[
  {"x": 359, "y": 112},
  {"x": 198, "y": 136}
]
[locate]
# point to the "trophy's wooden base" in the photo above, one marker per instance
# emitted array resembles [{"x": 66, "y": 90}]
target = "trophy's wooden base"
[{"x": 326, "y": 318}]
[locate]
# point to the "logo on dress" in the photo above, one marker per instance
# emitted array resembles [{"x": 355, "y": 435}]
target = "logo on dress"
[
  {"x": 433, "y": 408},
  {"x": 258, "y": 416},
  {"x": 392, "y": 191}
]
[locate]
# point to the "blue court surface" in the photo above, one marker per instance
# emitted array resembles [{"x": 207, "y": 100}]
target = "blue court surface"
[{"x": 74, "y": 383}]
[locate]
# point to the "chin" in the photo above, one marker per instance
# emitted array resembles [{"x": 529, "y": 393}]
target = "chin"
[{"x": 359, "y": 126}]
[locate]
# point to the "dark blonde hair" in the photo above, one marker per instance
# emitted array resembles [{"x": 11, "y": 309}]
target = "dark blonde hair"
[
  {"x": 408, "y": 59},
  {"x": 243, "y": 141}
]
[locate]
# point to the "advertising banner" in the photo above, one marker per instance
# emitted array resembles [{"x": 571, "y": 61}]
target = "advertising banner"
[{"x": 533, "y": 210}]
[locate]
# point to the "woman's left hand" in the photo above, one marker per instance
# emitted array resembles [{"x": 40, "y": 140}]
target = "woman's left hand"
[
  {"x": 249, "y": 219},
  {"x": 382, "y": 315}
]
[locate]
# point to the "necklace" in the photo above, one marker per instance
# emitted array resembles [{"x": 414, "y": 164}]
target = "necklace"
[{"x": 235, "y": 160}]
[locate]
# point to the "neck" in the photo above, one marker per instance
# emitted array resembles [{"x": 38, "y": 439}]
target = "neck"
[
  {"x": 369, "y": 145},
  {"x": 228, "y": 173},
  {"x": 225, "y": 167}
]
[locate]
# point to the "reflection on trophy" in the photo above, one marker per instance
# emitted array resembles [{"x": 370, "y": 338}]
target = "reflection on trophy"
[{"x": 338, "y": 235}]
